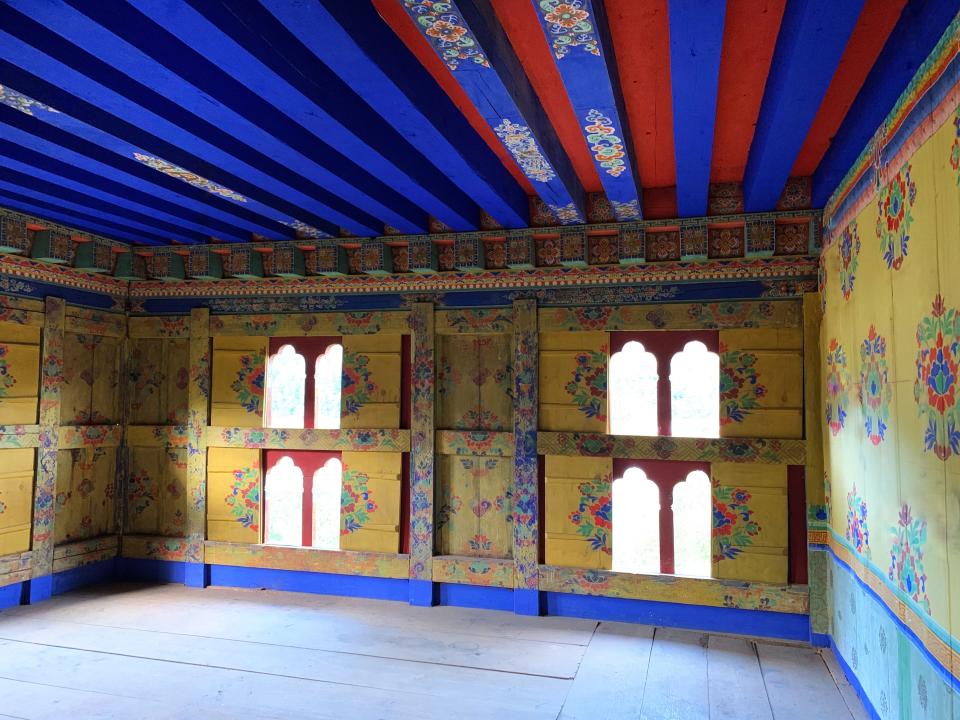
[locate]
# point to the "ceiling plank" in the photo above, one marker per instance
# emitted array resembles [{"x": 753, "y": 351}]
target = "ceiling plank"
[{"x": 813, "y": 35}]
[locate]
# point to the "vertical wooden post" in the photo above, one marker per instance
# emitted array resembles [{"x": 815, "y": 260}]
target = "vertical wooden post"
[
  {"x": 526, "y": 496},
  {"x": 422, "y": 455},
  {"x": 817, "y": 520},
  {"x": 45, "y": 479},
  {"x": 123, "y": 452},
  {"x": 196, "y": 574}
]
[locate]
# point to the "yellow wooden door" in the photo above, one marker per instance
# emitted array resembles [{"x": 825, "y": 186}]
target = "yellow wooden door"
[
  {"x": 761, "y": 382},
  {"x": 575, "y": 535},
  {"x": 239, "y": 375},
  {"x": 234, "y": 495},
  {"x": 19, "y": 373},
  {"x": 573, "y": 381},
  {"x": 370, "y": 501},
  {"x": 157, "y": 491},
  {"x": 16, "y": 499},
  {"x": 84, "y": 500},
  {"x": 370, "y": 395},
  {"x": 750, "y": 522},
  {"x": 474, "y": 382},
  {"x": 476, "y": 506}
]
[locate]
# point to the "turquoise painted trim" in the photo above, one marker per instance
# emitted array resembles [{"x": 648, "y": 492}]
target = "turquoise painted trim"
[
  {"x": 942, "y": 671},
  {"x": 938, "y": 630}
]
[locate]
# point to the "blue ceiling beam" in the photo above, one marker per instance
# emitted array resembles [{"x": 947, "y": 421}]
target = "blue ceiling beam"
[
  {"x": 582, "y": 50},
  {"x": 470, "y": 40},
  {"x": 79, "y": 163},
  {"x": 813, "y": 36},
  {"x": 29, "y": 185},
  {"x": 134, "y": 113},
  {"x": 696, "y": 41},
  {"x": 353, "y": 41},
  {"x": 82, "y": 222},
  {"x": 913, "y": 38},
  {"x": 359, "y": 157}
]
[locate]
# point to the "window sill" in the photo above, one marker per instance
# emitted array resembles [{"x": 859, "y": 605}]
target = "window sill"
[{"x": 372, "y": 440}]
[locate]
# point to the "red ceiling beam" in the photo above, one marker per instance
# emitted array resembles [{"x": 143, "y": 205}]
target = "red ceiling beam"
[{"x": 749, "y": 38}]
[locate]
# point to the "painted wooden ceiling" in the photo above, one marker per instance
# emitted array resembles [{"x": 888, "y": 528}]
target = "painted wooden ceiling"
[{"x": 190, "y": 121}]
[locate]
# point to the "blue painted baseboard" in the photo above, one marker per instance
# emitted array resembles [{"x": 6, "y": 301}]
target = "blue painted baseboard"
[
  {"x": 476, "y": 596},
  {"x": 84, "y": 576},
  {"x": 196, "y": 575},
  {"x": 12, "y": 595},
  {"x": 422, "y": 593},
  {"x": 311, "y": 582},
  {"x": 853, "y": 680},
  {"x": 40, "y": 589},
  {"x": 762, "y": 623},
  {"x": 819, "y": 640},
  {"x": 529, "y": 602}
]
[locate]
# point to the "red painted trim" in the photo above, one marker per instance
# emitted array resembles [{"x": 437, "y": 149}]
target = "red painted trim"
[
  {"x": 665, "y": 474},
  {"x": 396, "y": 17},
  {"x": 876, "y": 21},
  {"x": 309, "y": 461},
  {"x": 749, "y": 39},
  {"x": 311, "y": 348},
  {"x": 520, "y": 22},
  {"x": 664, "y": 344},
  {"x": 797, "y": 525},
  {"x": 641, "y": 42}
]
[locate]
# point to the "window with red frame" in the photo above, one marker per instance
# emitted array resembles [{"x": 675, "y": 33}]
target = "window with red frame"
[
  {"x": 304, "y": 377},
  {"x": 664, "y": 383},
  {"x": 662, "y": 517},
  {"x": 302, "y": 498}
]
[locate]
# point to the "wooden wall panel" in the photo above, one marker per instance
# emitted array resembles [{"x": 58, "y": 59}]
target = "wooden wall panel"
[
  {"x": 573, "y": 381},
  {"x": 750, "y": 522},
  {"x": 16, "y": 499},
  {"x": 476, "y": 506},
  {"x": 85, "y": 493},
  {"x": 156, "y": 497},
  {"x": 370, "y": 396},
  {"x": 761, "y": 382},
  {"x": 234, "y": 495},
  {"x": 573, "y": 537},
  {"x": 157, "y": 381},
  {"x": 19, "y": 373},
  {"x": 474, "y": 382},
  {"x": 370, "y": 501},
  {"x": 91, "y": 374},
  {"x": 239, "y": 371}
]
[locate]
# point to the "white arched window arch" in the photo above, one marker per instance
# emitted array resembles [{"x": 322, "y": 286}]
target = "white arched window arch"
[
  {"x": 286, "y": 383},
  {"x": 327, "y": 488},
  {"x": 633, "y": 391},
  {"x": 695, "y": 392},
  {"x": 692, "y": 500},
  {"x": 636, "y": 523},
  {"x": 284, "y": 503},
  {"x": 327, "y": 382}
]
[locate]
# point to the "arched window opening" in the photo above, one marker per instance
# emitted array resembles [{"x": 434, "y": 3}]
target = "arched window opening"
[
  {"x": 286, "y": 383},
  {"x": 633, "y": 391},
  {"x": 327, "y": 381},
  {"x": 695, "y": 392},
  {"x": 636, "y": 523},
  {"x": 327, "y": 484},
  {"x": 691, "y": 525},
  {"x": 284, "y": 503}
]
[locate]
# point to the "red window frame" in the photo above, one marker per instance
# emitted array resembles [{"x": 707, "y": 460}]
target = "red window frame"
[
  {"x": 665, "y": 474},
  {"x": 310, "y": 348},
  {"x": 309, "y": 461},
  {"x": 664, "y": 344}
]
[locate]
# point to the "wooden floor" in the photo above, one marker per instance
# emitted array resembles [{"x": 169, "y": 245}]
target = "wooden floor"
[{"x": 147, "y": 652}]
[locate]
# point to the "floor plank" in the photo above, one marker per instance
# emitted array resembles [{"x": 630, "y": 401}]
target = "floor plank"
[
  {"x": 612, "y": 673},
  {"x": 159, "y": 652},
  {"x": 794, "y": 677},
  {"x": 847, "y": 691},
  {"x": 736, "y": 686},
  {"x": 676, "y": 687}
]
